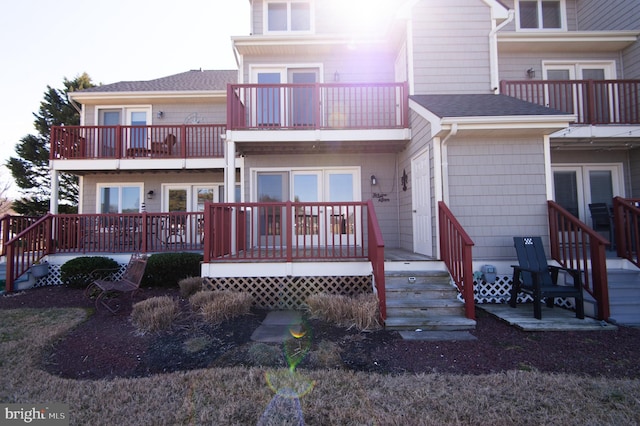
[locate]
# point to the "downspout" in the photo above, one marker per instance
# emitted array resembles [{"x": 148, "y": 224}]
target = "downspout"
[
  {"x": 493, "y": 51},
  {"x": 444, "y": 162}
]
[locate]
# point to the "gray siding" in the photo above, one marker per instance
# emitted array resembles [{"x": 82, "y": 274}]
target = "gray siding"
[
  {"x": 596, "y": 15},
  {"x": 634, "y": 173},
  {"x": 207, "y": 112},
  {"x": 497, "y": 190},
  {"x": 451, "y": 50}
]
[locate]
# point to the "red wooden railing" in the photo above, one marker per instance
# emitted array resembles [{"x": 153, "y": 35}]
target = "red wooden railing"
[
  {"x": 593, "y": 101},
  {"x": 11, "y": 225},
  {"x": 116, "y": 142},
  {"x": 626, "y": 216},
  {"x": 575, "y": 245},
  {"x": 376, "y": 256},
  {"x": 317, "y": 106},
  {"x": 285, "y": 231},
  {"x": 456, "y": 253},
  {"x": 26, "y": 248}
]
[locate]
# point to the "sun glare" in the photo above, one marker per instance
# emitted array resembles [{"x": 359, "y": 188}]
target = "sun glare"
[{"x": 367, "y": 16}]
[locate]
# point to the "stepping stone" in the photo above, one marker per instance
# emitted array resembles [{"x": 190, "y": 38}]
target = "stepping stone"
[{"x": 277, "y": 327}]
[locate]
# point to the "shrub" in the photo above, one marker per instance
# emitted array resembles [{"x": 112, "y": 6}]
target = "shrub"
[
  {"x": 219, "y": 306},
  {"x": 167, "y": 269},
  {"x": 361, "y": 312},
  {"x": 77, "y": 272},
  {"x": 154, "y": 314},
  {"x": 189, "y": 286}
]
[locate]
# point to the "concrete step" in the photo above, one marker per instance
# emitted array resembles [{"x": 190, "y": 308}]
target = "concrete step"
[{"x": 443, "y": 323}]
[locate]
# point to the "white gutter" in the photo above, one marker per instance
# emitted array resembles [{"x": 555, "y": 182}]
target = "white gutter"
[{"x": 493, "y": 51}]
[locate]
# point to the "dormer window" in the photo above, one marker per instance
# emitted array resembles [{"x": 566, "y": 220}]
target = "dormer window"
[
  {"x": 288, "y": 16},
  {"x": 541, "y": 15}
]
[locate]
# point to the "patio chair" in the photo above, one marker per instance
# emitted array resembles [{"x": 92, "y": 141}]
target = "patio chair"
[
  {"x": 107, "y": 292},
  {"x": 534, "y": 276}
]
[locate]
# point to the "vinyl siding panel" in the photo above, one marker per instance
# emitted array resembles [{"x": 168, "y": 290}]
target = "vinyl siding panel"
[
  {"x": 451, "y": 50},
  {"x": 175, "y": 113},
  {"x": 497, "y": 190},
  {"x": 514, "y": 65}
]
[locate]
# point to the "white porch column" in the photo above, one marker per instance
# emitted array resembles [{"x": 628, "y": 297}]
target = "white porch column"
[
  {"x": 55, "y": 189},
  {"x": 230, "y": 184}
]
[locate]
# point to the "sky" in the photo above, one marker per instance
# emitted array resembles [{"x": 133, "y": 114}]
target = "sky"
[{"x": 42, "y": 42}]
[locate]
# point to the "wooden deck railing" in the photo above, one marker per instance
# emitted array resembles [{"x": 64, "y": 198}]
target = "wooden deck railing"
[
  {"x": 456, "y": 253},
  {"x": 26, "y": 248},
  {"x": 626, "y": 216},
  {"x": 317, "y": 106},
  {"x": 592, "y": 101},
  {"x": 12, "y": 225},
  {"x": 575, "y": 245},
  {"x": 376, "y": 256},
  {"x": 117, "y": 142},
  {"x": 285, "y": 231}
]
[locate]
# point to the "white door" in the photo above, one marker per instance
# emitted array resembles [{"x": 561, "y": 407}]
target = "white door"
[{"x": 421, "y": 202}]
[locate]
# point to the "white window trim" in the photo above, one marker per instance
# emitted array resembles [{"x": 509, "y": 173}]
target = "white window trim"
[
  {"x": 563, "y": 18},
  {"x": 576, "y": 66},
  {"x": 120, "y": 185},
  {"x": 124, "y": 112},
  {"x": 265, "y": 17},
  {"x": 356, "y": 170},
  {"x": 284, "y": 69}
]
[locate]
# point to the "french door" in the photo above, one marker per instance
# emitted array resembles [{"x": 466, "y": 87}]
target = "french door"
[
  {"x": 575, "y": 187},
  {"x": 315, "y": 225}
]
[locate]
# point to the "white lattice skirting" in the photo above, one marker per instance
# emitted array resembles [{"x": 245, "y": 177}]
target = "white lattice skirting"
[{"x": 290, "y": 292}]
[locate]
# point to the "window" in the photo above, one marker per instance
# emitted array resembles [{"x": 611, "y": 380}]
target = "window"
[
  {"x": 541, "y": 15},
  {"x": 119, "y": 198},
  {"x": 285, "y": 16}
]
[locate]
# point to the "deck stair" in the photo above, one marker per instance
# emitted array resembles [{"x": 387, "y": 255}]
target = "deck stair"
[
  {"x": 624, "y": 296},
  {"x": 424, "y": 300}
]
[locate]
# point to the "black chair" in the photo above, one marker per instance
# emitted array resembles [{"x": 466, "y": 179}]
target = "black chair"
[
  {"x": 602, "y": 220},
  {"x": 534, "y": 276}
]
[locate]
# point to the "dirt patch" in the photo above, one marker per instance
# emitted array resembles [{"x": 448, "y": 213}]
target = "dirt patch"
[{"x": 108, "y": 346}]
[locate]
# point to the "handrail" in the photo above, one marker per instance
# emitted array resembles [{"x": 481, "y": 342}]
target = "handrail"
[
  {"x": 626, "y": 216},
  {"x": 575, "y": 245},
  {"x": 11, "y": 225},
  {"x": 26, "y": 248},
  {"x": 592, "y": 101},
  {"x": 120, "y": 142},
  {"x": 376, "y": 256},
  {"x": 456, "y": 252},
  {"x": 317, "y": 106}
]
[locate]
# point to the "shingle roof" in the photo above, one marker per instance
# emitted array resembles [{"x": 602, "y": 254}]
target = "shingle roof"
[
  {"x": 194, "y": 80},
  {"x": 480, "y": 105}
]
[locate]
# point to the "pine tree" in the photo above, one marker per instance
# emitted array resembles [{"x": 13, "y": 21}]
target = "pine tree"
[{"x": 30, "y": 169}]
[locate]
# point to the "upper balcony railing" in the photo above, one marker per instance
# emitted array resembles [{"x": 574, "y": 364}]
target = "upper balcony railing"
[
  {"x": 592, "y": 101},
  {"x": 116, "y": 142},
  {"x": 317, "y": 106}
]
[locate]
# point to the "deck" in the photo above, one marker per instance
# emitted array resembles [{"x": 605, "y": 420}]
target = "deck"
[{"x": 553, "y": 319}]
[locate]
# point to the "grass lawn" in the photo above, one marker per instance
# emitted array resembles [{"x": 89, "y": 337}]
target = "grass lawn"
[{"x": 238, "y": 396}]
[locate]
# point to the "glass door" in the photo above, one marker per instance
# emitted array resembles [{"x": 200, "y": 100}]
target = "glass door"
[
  {"x": 307, "y": 223},
  {"x": 106, "y": 144},
  {"x": 268, "y": 99},
  {"x": 342, "y": 221},
  {"x": 302, "y": 98},
  {"x": 271, "y": 187}
]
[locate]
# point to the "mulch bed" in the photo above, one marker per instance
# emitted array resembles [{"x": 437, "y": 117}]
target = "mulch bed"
[{"x": 108, "y": 346}]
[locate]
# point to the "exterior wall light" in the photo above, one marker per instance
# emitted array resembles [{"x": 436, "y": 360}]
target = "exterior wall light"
[{"x": 150, "y": 194}]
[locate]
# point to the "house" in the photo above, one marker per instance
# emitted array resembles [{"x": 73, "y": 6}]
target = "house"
[{"x": 331, "y": 134}]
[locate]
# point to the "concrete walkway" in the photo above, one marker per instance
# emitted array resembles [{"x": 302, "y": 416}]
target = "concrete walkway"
[{"x": 278, "y": 326}]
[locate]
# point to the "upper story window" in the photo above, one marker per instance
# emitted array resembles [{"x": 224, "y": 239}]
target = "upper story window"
[
  {"x": 288, "y": 16},
  {"x": 541, "y": 14}
]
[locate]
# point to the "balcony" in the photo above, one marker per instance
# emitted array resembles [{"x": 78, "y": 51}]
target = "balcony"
[
  {"x": 595, "y": 102},
  {"x": 121, "y": 142},
  {"x": 317, "y": 106}
]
